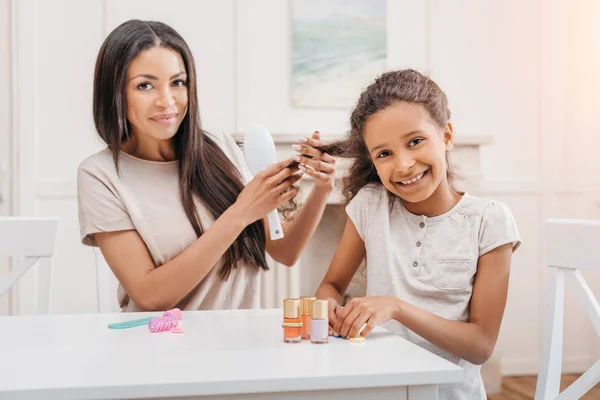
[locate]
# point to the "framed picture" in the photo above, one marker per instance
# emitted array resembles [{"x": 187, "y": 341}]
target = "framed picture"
[{"x": 338, "y": 48}]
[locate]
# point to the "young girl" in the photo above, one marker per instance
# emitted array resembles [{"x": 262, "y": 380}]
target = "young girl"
[
  {"x": 438, "y": 260},
  {"x": 175, "y": 212}
]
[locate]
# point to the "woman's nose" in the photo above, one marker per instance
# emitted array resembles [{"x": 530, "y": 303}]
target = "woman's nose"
[{"x": 166, "y": 99}]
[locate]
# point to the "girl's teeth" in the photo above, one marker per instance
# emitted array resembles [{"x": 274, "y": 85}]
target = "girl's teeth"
[{"x": 413, "y": 180}]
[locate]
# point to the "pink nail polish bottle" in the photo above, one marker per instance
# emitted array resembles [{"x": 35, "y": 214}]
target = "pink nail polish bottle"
[{"x": 319, "y": 322}]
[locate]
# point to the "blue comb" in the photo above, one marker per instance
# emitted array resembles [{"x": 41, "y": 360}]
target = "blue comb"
[{"x": 130, "y": 324}]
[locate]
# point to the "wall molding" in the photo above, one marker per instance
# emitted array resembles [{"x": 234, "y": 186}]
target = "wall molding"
[
  {"x": 291, "y": 138},
  {"x": 53, "y": 190}
]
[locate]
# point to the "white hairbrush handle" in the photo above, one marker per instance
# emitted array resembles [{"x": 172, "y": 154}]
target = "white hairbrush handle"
[{"x": 275, "y": 230}]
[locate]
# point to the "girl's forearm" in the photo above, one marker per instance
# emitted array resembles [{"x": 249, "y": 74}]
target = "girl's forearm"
[
  {"x": 463, "y": 339},
  {"x": 327, "y": 290}
]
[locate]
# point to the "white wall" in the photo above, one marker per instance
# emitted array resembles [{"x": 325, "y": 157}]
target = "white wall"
[
  {"x": 546, "y": 132},
  {"x": 523, "y": 72},
  {"x": 5, "y": 119}
]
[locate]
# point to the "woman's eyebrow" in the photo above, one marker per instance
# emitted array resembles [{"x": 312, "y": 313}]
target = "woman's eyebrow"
[{"x": 152, "y": 77}]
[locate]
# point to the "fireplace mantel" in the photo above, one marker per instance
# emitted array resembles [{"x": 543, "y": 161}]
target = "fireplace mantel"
[{"x": 465, "y": 158}]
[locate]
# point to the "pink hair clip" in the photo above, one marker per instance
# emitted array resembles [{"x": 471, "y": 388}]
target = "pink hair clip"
[{"x": 169, "y": 320}]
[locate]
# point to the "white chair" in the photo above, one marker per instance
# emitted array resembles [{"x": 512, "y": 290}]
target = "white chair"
[
  {"x": 34, "y": 239},
  {"x": 571, "y": 245},
  {"x": 106, "y": 285}
]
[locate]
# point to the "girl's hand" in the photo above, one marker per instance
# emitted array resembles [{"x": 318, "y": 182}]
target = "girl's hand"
[
  {"x": 320, "y": 166},
  {"x": 372, "y": 311},
  {"x": 334, "y": 309},
  {"x": 267, "y": 191}
]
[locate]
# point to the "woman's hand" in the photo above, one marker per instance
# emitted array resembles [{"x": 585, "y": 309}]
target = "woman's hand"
[
  {"x": 372, "y": 311},
  {"x": 320, "y": 166},
  {"x": 267, "y": 191}
]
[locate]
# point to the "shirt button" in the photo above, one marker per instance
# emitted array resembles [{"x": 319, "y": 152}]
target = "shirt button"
[
  {"x": 422, "y": 225},
  {"x": 415, "y": 264},
  {"x": 418, "y": 244}
]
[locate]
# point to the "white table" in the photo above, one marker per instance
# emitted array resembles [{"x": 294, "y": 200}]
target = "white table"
[{"x": 222, "y": 354}]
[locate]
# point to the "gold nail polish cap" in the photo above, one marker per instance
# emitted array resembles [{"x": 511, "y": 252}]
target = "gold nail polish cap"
[
  {"x": 306, "y": 307},
  {"x": 320, "y": 309},
  {"x": 291, "y": 308}
]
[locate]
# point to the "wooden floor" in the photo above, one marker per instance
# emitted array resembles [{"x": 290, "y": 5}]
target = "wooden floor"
[{"x": 523, "y": 388}]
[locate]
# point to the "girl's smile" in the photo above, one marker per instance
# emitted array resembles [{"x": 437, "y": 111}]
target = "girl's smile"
[{"x": 414, "y": 180}]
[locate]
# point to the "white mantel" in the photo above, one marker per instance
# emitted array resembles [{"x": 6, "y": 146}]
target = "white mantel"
[{"x": 465, "y": 158}]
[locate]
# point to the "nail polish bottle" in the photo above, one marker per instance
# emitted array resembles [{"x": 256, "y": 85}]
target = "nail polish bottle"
[
  {"x": 292, "y": 323},
  {"x": 306, "y": 311},
  {"x": 319, "y": 322}
]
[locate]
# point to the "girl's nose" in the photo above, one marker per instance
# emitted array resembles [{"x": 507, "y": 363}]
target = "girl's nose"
[{"x": 404, "y": 164}]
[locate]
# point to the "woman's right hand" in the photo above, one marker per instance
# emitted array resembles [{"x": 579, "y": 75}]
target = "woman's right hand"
[{"x": 267, "y": 191}]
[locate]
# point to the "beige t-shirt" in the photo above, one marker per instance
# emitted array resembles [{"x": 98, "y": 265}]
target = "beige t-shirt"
[
  {"x": 146, "y": 198},
  {"x": 431, "y": 262}
]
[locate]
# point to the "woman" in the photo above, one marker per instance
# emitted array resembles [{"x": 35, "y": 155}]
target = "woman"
[{"x": 177, "y": 216}]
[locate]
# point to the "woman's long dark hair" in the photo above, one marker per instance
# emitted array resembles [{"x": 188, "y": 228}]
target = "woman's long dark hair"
[{"x": 205, "y": 172}]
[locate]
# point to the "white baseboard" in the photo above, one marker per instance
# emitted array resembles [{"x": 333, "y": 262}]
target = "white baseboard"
[{"x": 530, "y": 366}]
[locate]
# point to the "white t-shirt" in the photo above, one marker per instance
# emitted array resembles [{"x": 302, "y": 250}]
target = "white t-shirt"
[
  {"x": 146, "y": 198},
  {"x": 430, "y": 262}
]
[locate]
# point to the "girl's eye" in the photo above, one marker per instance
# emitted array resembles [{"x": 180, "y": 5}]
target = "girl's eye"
[
  {"x": 179, "y": 83},
  {"x": 383, "y": 154},
  {"x": 144, "y": 86},
  {"x": 415, "y": 142}
]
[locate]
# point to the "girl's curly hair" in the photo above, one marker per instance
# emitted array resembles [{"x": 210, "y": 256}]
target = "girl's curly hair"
[{"x": 395, "y": 86}]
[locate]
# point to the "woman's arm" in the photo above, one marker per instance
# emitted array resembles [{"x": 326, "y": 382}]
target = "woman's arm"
[
  {"x": 473, "y": 341},
  {"x": 162, "y": 288},
  {"x": 299, "y": 229}
]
